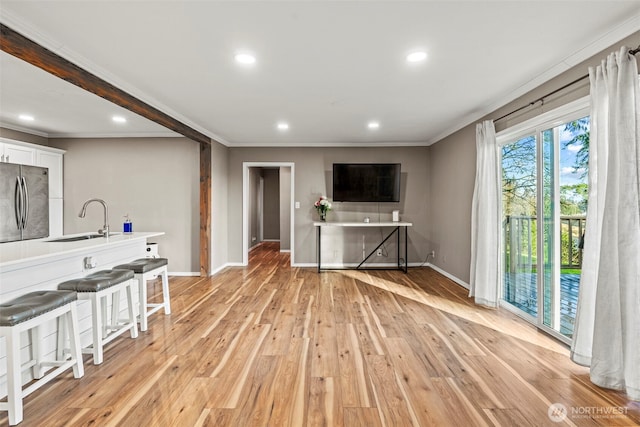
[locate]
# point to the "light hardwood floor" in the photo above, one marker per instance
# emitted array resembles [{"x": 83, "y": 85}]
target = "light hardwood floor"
[{"x": 280, "y": 346}]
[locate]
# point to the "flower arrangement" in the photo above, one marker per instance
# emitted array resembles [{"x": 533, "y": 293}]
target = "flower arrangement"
[{"x": 322, "y": 205}]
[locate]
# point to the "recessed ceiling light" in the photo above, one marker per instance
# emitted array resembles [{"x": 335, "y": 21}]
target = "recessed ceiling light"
[
  {"x": 417, "y": 56},
  {"x": 373, "y": 125},
  {"x": 119, "y": 119},
  {"x": 283, "y": 126},
  {"x": 26, "y": 117},
  {"x": 245, "y": 58}
]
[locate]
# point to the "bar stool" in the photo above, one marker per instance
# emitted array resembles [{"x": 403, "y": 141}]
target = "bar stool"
[
  {"x": 97, "y": 287},
  {"x": 27, "y": 313},
  {"x": 146, "y": 269}
]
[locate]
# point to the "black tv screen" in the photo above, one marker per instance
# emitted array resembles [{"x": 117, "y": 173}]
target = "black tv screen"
[{"x": 366, "y": 182}]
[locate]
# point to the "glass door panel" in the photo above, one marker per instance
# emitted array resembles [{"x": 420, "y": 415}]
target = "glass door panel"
[
  {"x": 519, "y": 206},
  {"x": 571, "y": 200}
]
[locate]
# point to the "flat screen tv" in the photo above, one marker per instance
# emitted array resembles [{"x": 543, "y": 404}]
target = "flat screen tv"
[{"x": 366, "y": 182}]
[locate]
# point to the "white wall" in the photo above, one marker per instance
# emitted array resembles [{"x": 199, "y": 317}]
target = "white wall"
[
  {"x": 22, "y": 136},
  {"x": 154, "y": 180},
  {"x": 219, "y": 208}
]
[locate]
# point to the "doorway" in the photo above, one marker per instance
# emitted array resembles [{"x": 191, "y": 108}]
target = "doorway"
[{"x": 253, "y": 222}]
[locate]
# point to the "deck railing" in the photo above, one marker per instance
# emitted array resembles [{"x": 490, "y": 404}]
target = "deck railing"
[{"x": 520, "y": 242}]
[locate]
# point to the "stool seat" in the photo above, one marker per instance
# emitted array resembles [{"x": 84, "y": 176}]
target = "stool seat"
[
  {"x": 97, "y": 288},
  {"x": 98, "y": 281},
  {"x": 27, "y": 313},
  {"x": 33, "y": 305},
  {"x": 144, "y": 265}
]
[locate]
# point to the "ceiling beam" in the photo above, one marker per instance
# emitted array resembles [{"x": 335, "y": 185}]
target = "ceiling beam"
[{"x": 21, "y": 47}]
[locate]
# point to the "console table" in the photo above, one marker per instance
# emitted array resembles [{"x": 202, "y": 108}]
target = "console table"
[{"x": 396, "y": 229}]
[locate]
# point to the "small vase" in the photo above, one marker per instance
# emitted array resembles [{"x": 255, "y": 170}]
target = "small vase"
[{"x": 323, "y": 215}]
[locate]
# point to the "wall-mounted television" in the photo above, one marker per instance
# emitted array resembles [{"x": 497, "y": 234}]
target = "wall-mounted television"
[{"x": 366, "y": 182}]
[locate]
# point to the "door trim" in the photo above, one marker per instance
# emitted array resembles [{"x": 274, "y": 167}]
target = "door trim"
[{"x": 245, "y": 205}]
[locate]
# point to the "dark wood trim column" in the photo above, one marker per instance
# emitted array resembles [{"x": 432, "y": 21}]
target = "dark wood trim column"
[{"x": 205, "y": 209}]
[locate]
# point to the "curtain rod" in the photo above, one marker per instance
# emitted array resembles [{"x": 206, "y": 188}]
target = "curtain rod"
[{"x": 542, "y": 98}]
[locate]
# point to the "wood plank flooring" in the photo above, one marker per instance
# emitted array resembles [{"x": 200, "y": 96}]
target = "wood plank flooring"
[{"x": 271, "y": 345}]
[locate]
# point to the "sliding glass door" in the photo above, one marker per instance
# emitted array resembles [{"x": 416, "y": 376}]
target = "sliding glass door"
[{"x": 544, "y": 199}]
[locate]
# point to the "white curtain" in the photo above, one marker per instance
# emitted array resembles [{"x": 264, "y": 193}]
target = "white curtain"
[
  {"x": 607, "y": 330},
  {"x": 485, "y": 219}
]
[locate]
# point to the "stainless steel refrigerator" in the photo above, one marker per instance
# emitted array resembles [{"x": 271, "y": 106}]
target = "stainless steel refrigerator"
[{"x": 24, "y": 202}]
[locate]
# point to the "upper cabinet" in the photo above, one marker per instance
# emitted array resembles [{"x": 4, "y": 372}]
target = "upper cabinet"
[
  {"x": 13, "y": 153},
  {"x": 24, "y": 153}
]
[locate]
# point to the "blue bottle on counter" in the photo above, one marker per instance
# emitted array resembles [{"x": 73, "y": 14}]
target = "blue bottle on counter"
[{"x": 127, "y": 227}]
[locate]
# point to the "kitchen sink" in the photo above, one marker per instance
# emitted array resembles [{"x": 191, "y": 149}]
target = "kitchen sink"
[{"x": 78, "y": 238}]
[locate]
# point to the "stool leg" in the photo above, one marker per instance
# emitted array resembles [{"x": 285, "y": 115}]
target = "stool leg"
[
  {"x": 165, "y": 291},
  {"x": 104, "y": 317},
  {"x": 74, "y": 340},
  {"x": 36, "y": 352},
  {"x": 115, "y": 309},
  {"x": 61, "y": 337},
  {"x": 142, "y": 292},
  {"x": 14, "y": 377},
  {"x": 97, "y": 328},
  {"x": 130, "y": 307}
]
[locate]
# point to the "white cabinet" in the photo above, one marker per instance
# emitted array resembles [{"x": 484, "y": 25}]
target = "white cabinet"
[
  {"x": 55, "y": 218},
  {"x": 53, "y": 161},
  {"x": 12, "y": 151}
]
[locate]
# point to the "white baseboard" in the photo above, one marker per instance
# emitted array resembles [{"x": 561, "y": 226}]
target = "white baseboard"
[
  {"x": 340, "y": 266},
  {"x": 349, "y": 265},
  {"x": 183, "y": 273},
  {"x": 304, "y": 265},
  {"x": 449, "y": 276},
  {"x": 235, "y": 264},
  {"x": 285, "y": 250},
  {"x": 219, "y": 269}
]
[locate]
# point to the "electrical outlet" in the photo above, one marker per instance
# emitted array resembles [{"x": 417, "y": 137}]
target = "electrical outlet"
[
  {"x": 379, "y": 252},
  {"x": 433, "y": 254}
]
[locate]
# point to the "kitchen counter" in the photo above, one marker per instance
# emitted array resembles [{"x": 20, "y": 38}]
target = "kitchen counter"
[
  {"x": 35, "y": 265},
  {"x": 37, "y": 250}
]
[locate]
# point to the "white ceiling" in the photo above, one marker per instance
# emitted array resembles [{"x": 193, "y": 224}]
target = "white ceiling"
[{"x": 325, "y": 67}]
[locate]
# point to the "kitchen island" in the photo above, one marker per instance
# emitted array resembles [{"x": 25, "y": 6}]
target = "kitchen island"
[
  {"x": 32, "y": 265},
  {"x": 41, "y": 264}
]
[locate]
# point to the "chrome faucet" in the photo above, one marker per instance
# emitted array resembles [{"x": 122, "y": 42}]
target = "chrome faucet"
[{"x": 105, "y": 228}]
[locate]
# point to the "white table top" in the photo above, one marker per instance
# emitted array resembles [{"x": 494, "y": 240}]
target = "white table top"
[
  {"x": 362, "y": 224},
  {"x": 30, "y": 250}
]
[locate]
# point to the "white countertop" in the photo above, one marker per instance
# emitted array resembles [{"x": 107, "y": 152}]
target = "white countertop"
[
  {"x": 31, "y": 250},
  {"x": 362, "y": 224}
]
